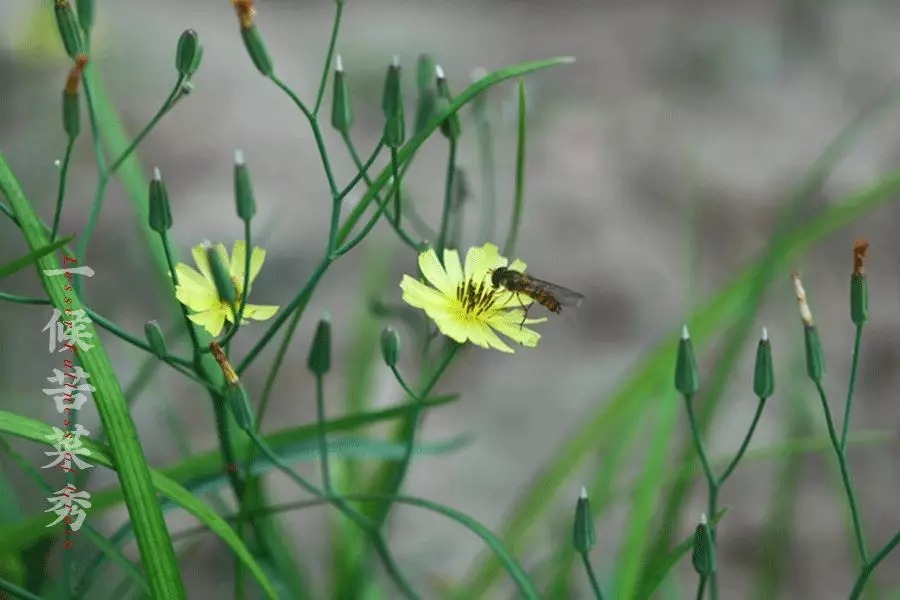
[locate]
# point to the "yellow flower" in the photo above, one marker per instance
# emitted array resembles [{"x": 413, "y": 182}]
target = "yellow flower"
[
  {"x": 463, "y": 302},
  {"x": 197, "y": 290}
]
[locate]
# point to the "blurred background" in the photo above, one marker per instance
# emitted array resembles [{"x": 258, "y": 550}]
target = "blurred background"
[{"x": 662, "y": 156}]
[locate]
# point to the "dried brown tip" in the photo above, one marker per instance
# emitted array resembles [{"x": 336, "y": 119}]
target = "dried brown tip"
[
  {"x": 74, "y": 77},
  {"x": 245, "y": 11},
  {"x": 805, "y": 313},
  {"x": 859, "y": 256},
  {"x": 62, "y": 3},
  {"x": 227, "y": 370}
]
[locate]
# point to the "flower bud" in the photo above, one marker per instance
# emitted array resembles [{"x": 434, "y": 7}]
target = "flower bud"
[
  {"x": 239, "y": 404},
  {"x": 155, "y": 339},
  {"x": 256, "y": 48},
  {"x": 584, "y": 537},
  {"x": 85, "y": 14},
  {"x": 390, "y": 346},
  {"x": 764, "y": 372},
  {"x": 859, "y": 287},
  {"x": 243, "y": 191},
  {"x": 68, "y": 27},
  {"x": 189, "y": 53},
  {"x": 160, "y": 217},
  {"x": 224, "y": 285},
  {"x": 341, "y": 110},
  {"x": 815, "y": 357},
  {"x": 687, "y": 375},
  {"x": 450, "y": 127},
  {"x": 704, "y": 555},
  {"x": 392, "y": 104},
  {"x": 319, "y": 361}
]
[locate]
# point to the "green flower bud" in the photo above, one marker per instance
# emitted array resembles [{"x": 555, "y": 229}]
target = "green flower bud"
[
  {"x": 68, "y": 27},
  {"x": 239, "y": 404},
  {"x": 85, "y": 14},
  {"x": 392, "y": 96},
  {"x": 256, "y": 48},
  {"x": 243, "y": 191},
  {"x": 155, "y": 339},
  {"x": 189, "y": 53},
  {"x": 584, "y": 537},
  {"x": 319, "y": 361},
  {"x": 160, "y": 212},
  {"x": 424, "y": 72},
  {"x": 815, "y": 357},
  {"x": 859, "y": 287},
  {"x": 704, "y": 555},
  {"x": 764, "y": 372},
  {"x": 426, "y": 107},
  {"x": 224, "y": 285},
  {"x": 450, "y": 127},
  {"x": 687, "y": 375},
  {"x": 71, "y": 113},
  {"x": 390, "y": 346},
  {"x": 341, "y": 110}
]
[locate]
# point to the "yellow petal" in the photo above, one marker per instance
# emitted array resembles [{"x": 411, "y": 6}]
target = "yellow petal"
[
  {"x": 453, "y": 268},
  {"x": 517, "y": 265},
  {"x": 257, "y": 258},
  {"x": 493, "y": 340},
  {"x": 202, "y": 262},
  {"x": 434, "y": 272},
  {"x": 197, "y": 302},
  {"x": 419, "y": 295},
  {"x": 480, "y": 261},
  {"x": 260, "y": 312},
  {"x": 450, "y": 326},
  {"x": 516, "y": 331},
  {"x": 238, "y": 255},
  {"x": 212, "y": 320}
]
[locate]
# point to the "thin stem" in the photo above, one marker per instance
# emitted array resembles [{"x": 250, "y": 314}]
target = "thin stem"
[
  {"x": 845, "y": 477},
  {"x": 317, "y": 134},
  {"x": 854, "y": 366},
  {"x": 519, "y": 195},
  {"x": 701, "y": 587},
  {"x": 362, "y": 171},
  {"x": 335, "y": 27},
  {"x": 395, "y": 173},
  {"x": 712, "y": 484},
  {"x": 323, "y": 441},
  {"x": 488, "y": 170},
  {"x": 595, "y": 585},
  {"x": 61, "y": 190},
  {"x": 870, "y": 565},
  {"x": 448, "y": 200},
  {"x": 730, "y": 469},
  {"x": 188, "y": 324},
  {"x": 416, "y": 412}
]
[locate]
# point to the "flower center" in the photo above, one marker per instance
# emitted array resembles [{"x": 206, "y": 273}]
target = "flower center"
[{"x": 476, "y": 298}]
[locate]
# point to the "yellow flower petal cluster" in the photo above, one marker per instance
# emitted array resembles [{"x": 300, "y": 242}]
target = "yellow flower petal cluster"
[
  {"x": 463, "y": 302},
  {"x": 197, "y": 289}
]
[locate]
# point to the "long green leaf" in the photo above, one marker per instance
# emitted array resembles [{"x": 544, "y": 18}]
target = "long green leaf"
[
  {"x": 157, "y": 553},
  {"x": 99, "y": 455},
  {"x": 32, "y": 257}
]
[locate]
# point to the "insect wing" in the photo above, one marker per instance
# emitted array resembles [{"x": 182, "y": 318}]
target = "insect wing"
[{"x": 564, "y": 296}]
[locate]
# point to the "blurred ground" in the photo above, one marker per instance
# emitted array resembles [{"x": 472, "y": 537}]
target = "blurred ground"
[{"x": 719, "y": 103}]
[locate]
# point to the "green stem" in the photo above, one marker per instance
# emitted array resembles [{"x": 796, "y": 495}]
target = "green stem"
[
  {"x": 395, "y": 173},
  {"x": 701, "y": 587},
  {"x": 712, "y": 484},
  {"x": 320, "y": 432},
  {"x": 335, "y": 27},
  {"x": 730, "y": 469},
  {"x": 519, "y": 194},
  {"x": 854, "y": 367},
  {"x": 361, "y": 168},
  {"x": 448, "y": 200},
  {"x": 595, "y": 585},
  {"x": 845, "y": 477},
  {"x": 870, "y": 565},
  {"x": 488, "y": 171},
  {"x": 61, "y": 190}
]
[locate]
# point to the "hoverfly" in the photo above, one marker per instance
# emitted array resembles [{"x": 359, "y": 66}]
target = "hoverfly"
[{"x": 550, "y": 295}]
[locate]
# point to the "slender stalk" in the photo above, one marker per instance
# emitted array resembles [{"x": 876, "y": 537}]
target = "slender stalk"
[
  {"x": 730, "y": 469},
  {"x": 854, "y": 367},
  {"x": 61, "y": 190},
  {"x": 245, "y": 290},
  {"x": 488, "y": 170},
  {"x": 335, "y": 27},
  {"x": 395, "y": 172},
  {"x": 323, "y": 440},
  {"x": 519, "y": 194},
  {"x": 448, "y": 200},
  {"x": 701, "y": 587},
  {"x": 845, "y": 477},
  {"x": 713, "y": 488},
  {"x": 595, "y": 585},
  {"x": 869, "y": 566}
]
